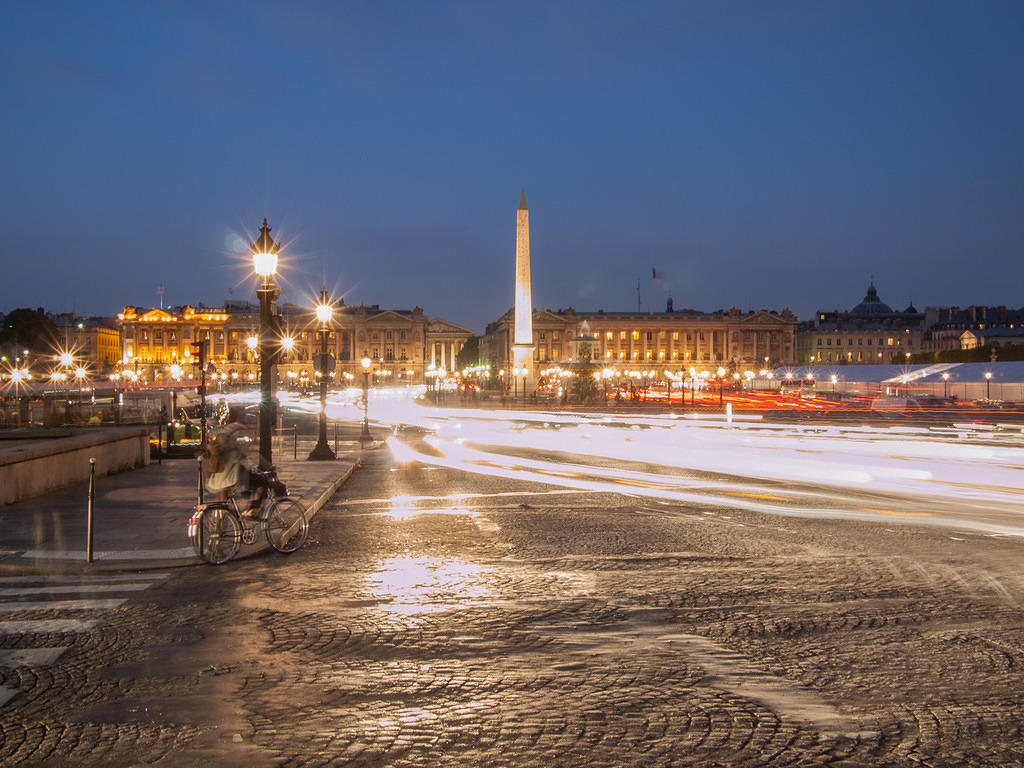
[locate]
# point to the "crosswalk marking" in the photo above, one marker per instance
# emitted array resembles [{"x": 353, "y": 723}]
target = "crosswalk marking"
[
  {"x": 45, "y": 626},
  {"x": 85, "y": 578},
  {"x": 64, "y": 605},
  {"x": 180, "y": 553},
  {"x": 72, "y": 589},
  {"x": 29, "y": 594},
  {"x": 30, "y": 657}
]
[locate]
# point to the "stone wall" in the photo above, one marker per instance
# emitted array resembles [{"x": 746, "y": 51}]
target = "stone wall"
[{"x": 33, "y": 462}]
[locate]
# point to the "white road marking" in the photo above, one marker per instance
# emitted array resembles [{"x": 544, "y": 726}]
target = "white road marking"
[
  {"x": 71, "y": 589},
  {"x": 122, "y": 554},
  {"x": 44, "y": 626},
  {"x": 29, "y": 657},
  {"x": 63, "y": 605},
  {"x": 82, "y": 579}
]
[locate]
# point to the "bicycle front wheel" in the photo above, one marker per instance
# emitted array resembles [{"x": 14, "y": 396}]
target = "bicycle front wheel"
[
  {"x": 218, "y": 533},
  {"x": 286, "y": 526}
]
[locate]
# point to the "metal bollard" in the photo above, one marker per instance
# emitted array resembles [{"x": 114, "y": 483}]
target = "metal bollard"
[
  {"x": 199, "y": 484},
  {"x": 92, "y": 503}
]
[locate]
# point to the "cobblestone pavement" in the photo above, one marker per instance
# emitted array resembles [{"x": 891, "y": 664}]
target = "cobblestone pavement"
[{"x": 437, "y": 618}]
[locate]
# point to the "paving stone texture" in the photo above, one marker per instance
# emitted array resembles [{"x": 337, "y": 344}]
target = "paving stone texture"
[{"x": 516, "y": 626}]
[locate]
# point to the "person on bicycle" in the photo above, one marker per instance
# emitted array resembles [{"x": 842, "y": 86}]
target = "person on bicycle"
[{"x": 226, "y": 451}]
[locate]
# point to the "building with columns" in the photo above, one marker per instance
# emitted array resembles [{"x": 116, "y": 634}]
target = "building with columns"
[
  {"x": 403, "y": 344},
  {"x": 661, "y": 341},
  {"x": 870, "y": 333},
  {"x": 524, "y": 339}
]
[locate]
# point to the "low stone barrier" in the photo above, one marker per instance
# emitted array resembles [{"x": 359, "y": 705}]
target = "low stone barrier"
[{"x": 33, "y": 462}]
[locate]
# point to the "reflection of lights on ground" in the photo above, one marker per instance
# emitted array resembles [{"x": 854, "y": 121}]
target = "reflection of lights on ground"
[
  {"x": 409, "y": 585},
  {"x": 405, "y": 507}
]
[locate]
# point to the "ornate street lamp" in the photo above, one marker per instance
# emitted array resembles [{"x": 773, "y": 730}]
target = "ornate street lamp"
[
  {"x": 988, "y": 384},
  {"x": 366, "y": 399},
  {"x": 264, "y": 259},
  {"x": 324, "y": 364},
  {"x": 945, "y": 385},
  {"x": 721, "y": 384}
]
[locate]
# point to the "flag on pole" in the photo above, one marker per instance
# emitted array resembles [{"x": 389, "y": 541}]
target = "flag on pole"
[{"x": 656, "y": 275}]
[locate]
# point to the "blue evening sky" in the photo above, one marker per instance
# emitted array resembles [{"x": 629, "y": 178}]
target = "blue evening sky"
[{"x": 759, "y": 154}]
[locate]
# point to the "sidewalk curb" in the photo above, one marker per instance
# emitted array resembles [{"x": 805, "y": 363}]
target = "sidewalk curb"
[{"x": 10, "y": 566}]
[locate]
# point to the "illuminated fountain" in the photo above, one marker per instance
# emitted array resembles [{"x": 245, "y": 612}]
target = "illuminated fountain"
[{"x": 584, "y": 371}]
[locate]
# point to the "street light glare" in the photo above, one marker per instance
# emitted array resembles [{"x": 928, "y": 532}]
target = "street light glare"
[
  {"x": 265, "y": 264},
  {"x": 264, "y": 253}
]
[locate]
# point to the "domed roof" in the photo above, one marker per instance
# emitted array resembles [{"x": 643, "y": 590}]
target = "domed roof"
[{"x": 872, "y": 305}]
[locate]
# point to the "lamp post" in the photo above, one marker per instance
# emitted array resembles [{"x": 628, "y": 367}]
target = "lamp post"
[
  {"x": 366, "y": 399},
  {"x": 988, "y": 384},
  {"x": 721, "y": 384},
  {"x": 322, "y": 451},
  {"x": 945, "y": 385},
  {"x": 264, "y": 258},
  {"x": 18, "y": 375},
  {"x": 80, "y": 374}
]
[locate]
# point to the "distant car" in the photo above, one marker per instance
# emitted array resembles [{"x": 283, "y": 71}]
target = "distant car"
[{"x": 894, "y": 405}]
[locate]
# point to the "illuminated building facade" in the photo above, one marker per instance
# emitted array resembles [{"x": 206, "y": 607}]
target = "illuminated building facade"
[
  {"x": 94, "y": 342},
  {"x": 659, "y": 341},
  {"x": 870, "y": 333},
  {"x": 403, "y": 344},
  {"x": 952, "y": 328}
]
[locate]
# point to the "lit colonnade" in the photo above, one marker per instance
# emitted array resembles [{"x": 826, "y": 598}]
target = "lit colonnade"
[
  {"x": 665, "y": 341},
  {"x": 401, "y": 343}
]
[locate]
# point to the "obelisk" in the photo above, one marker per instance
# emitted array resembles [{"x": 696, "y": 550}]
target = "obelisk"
[{"x": 522, "y": 340}]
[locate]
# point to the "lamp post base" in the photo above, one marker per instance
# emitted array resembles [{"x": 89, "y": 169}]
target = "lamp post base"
[{"x": 321, "y": 452}]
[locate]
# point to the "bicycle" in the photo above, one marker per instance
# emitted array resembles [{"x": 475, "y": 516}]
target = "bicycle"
[{"x": 217, "y": 530}]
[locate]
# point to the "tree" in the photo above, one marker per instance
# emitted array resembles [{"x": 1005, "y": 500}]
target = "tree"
[
  {"x": 30, "y": 329},
  {"x": 469, "y": 354}
]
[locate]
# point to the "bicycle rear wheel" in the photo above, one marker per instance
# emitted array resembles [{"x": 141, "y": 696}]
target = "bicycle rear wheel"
[
  {"x": 286, "y": 526},
  {"x": 218, "y": 534}
]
